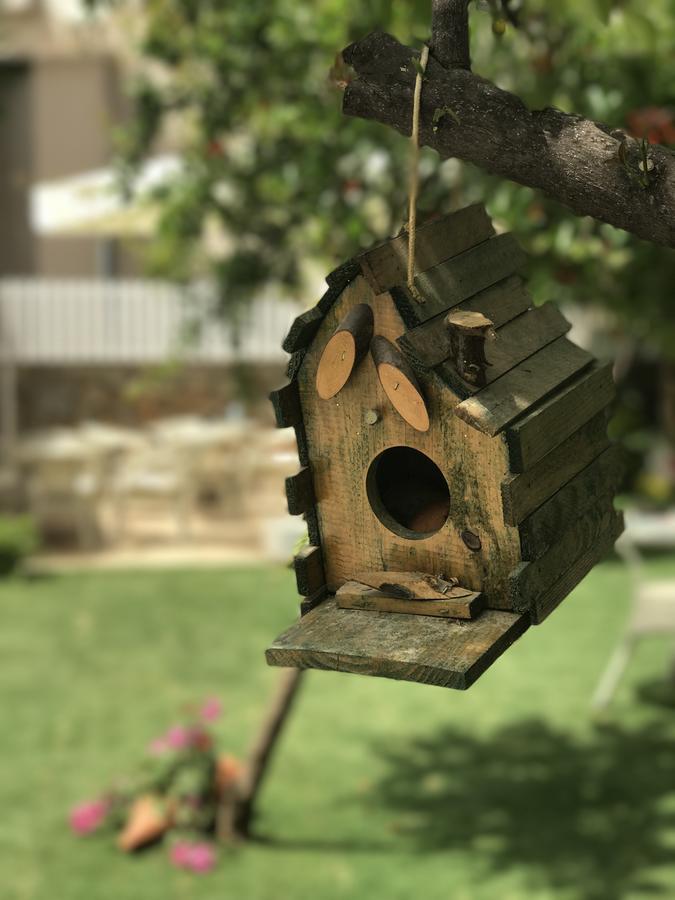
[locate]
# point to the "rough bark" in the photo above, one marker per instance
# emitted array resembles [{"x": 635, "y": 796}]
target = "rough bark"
[
  {"x": 450, "y": 33},
  {"x": 574, "y": 160}
]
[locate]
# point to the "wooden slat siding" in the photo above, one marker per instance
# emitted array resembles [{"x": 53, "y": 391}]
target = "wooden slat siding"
[
  {"x": 546, "y": 603},
  {"x": 286, "y": 404},
  {"x": 592, "y": 515},
  {"x": 302, "y": 330},
  {"x": 348, "y": 446},
  {"x": 532, "y": 580},
  {"x": 313, "y": 531},
  {"x": 300, "y": 492},
  {"x": 514, "y": 343},
  {"x": 309, "y": 575},
  {"x": 444, "y": 286},
  {"x": 344, "y": 273},
  {"x": 429, "y": 343},
  {"x": 305, "y": 326},
  {"x": 522, "y": 494},
  {"x": 301, "y": 443},
  {"x": 458, "y": 279},
  {"x": 386, "y": 265},
  {"x": 329, "y": 297},
  {"x": 500, "y": 403},
  {"x": 294, "y": 364},
  {"x": 594, "y": 486},
  {"x": 424, "y": 649},
  {"x": 531, "y": 438}
]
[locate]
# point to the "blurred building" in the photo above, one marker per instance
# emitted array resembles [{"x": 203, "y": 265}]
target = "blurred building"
[
  {"x": 83, "y": 333},
  {"x": 61, "y": 96}
]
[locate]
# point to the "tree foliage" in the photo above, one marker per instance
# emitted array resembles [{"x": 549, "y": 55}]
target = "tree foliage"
[{"x": 270, "y": 162}]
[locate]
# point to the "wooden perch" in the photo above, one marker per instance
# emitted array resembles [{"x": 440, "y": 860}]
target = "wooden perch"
[
  {"x": 344, "y": 351},
  {"x": 589, "y": 167},
  {"x": 468, "y": 333},
  {"x": 399, "y": 383}
]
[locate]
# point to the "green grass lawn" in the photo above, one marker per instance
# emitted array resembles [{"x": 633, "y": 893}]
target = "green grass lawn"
[{"x": 380, "y": 789}]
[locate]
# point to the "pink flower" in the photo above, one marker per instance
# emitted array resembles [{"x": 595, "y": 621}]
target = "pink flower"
[
  {"x": 178, "y": 737},
  {"x": 87, "y": 817},
  {"x": 199, "y": 858},
  {"x": 202, "y": 858},
  {"x": 181, "y": 854},
  {"x": 158, "y": 746},
  {"x": 211, "y": 709}
]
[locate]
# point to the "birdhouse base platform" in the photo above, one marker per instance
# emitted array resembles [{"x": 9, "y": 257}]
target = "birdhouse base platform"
[{"x": 446, "y": 652}]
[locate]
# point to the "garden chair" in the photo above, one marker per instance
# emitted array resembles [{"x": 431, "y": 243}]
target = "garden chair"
[
  {"x": 216, "y": 451},
  {"x": 155, "y": 474},
  {"x": 652, "y": 615},
  {"x": 64, "y": 485}
]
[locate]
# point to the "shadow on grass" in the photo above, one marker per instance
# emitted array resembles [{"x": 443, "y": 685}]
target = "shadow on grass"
[
  {"x": 591, "y": 815},
  {"x": 660, "y": 693}
]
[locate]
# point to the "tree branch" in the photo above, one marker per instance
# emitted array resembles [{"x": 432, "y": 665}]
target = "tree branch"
[
  {"x": 450, "y": 33},
  {"x": 574, "y": 160}
]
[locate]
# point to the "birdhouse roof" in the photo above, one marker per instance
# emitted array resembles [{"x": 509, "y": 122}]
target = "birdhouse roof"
[{"x": 462, "y": 266}]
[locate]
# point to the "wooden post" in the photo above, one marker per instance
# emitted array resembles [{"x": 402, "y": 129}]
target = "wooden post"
[
  {"x": 468, "y": 333},
  {"x": 237, "y": 809}
]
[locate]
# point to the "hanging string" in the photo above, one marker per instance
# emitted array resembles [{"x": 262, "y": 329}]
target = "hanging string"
[{"x": 415, "y": 175}]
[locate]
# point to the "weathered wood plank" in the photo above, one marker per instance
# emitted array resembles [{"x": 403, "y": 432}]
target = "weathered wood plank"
[
  {"x": 429, "y": 343},
  {"x": 286, "y": 404},
  {"x": 303, "y": 330},
  {"x": 343, "y": 447},
  {"x": 459, "y": 278},
  {"x": 522, "y": 494},
  {"x": 532, "y": 580},
  {"x": 359, "y": 596},
  {"x": 386, "y": 265},
  {"x": 300, "y": 492},
  {"x": 309, "y": 573},
  {"x": 500, "y": 403},
  {"x": 514, "y": 343},
  {"x": 594, "y": 486},
  {"x": 547, "y": 426},
  {"x": 310, "y": 603},
  {"x": 445, "y": 652},
  {"x": 547, "y": 602},
  {"x": 294, "y": 364},
  {"x": 339, "y": 278},
  {"x": 410, "y": 585}
]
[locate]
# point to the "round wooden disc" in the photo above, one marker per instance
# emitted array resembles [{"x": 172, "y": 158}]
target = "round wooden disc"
[
  {"x": 336, "y": 364},
  {"x": 404, "y": 396}
]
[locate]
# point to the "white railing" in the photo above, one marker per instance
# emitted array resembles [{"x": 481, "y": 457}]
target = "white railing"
[{"x": 94, "y": 321}]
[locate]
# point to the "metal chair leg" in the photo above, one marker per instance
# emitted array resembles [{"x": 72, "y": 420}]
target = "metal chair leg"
[{"x": 611, "y": 677}]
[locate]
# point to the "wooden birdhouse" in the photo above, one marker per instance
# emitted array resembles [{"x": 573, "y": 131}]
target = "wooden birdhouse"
[{"x": 457, "y": 479}]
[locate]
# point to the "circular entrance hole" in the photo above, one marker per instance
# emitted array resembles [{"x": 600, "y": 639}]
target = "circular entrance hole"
[{"x": 408, "y": 493}]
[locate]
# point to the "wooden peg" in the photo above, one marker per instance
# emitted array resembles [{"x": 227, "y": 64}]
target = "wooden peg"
[
  {"x": 399, "y": 383},
  {"x": 468, "y": 333},
  {"x": 344, "y": 351}
]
